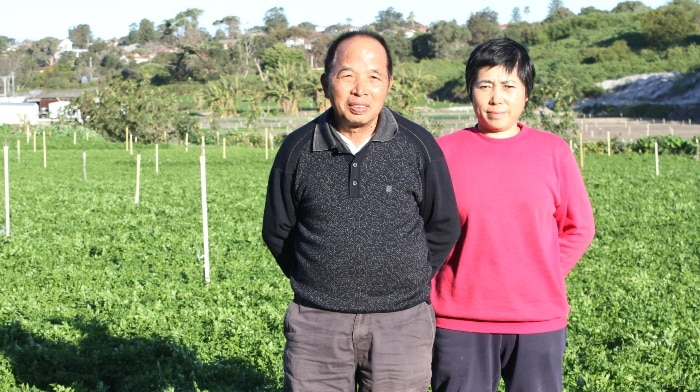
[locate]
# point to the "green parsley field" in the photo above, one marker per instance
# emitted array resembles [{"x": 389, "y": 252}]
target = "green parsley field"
[{"x": 100, "y": 293}]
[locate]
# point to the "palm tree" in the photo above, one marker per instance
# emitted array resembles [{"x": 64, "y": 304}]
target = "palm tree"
[{"x": 222, "y": 96}]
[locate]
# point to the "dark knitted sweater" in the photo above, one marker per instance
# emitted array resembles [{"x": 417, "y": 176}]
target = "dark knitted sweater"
[{"x": 360, "y": 233}]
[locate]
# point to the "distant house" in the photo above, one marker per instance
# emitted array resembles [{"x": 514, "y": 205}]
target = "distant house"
[
  {"x": 66, "y": 46},
  {"x": 45, "y": 98},
  {"x": 298, "y": 42}
]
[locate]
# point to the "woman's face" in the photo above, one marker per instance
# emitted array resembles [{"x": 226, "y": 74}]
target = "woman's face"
[{"x": 498, "y": 98}]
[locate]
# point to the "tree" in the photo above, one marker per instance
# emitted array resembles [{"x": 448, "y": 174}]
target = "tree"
[
  {"x": 557, "y": 94},
  {"x": 287, "y": 84},
  {"x": 561, "y": 13},
  {"x": 445, "y": 40},
  {"x": 155, "y": 74},
  {"x": 670, "y": 25},
  {"x": 185, "y": 20},
  {"x": 400, "y": 47},
  {"x": 630, "y": 6},
  {"x": 280, "y": 54},
  {"x": 81, "y": 36},
  {"x": 515, "y": 16},
  {"x": 590, "y": 10},
  {"x": 43, "y": 51},
  {"x": 276, "y": 22},
  {"x": 388, "y": 20},
  {"x": 483, "y": 26},
  {"x": 201, "y": 61},
  {"x": 146, "y": 111},
  {"x": 232, "y": 24},
  {"x": 554, "y": 6},
  {"x": 258, "y": 46},
  {"x": 410, "y": 85},
  {"x": 13, "y": 62},
  {"x": 319, "y": 48},
  {"x": 5, "y": 43},
  {"x": 308, "y": 27},
  {"x": 423, "y": 46},
  {"x": 525, "y": 33},
  {"x": 222, "y": 96},
  {"x": 144, "y": 32}
]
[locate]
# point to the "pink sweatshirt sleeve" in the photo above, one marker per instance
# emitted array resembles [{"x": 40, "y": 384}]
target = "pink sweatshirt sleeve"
[{"x": 574, "y": 215}]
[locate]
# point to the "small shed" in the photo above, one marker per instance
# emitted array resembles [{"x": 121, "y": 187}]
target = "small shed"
[{"x": 44, "y": 98}]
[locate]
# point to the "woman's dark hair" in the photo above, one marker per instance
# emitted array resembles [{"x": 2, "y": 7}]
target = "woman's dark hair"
[
  {"x": 501, "y": 52},
  {"x": 333, "y": 48}
]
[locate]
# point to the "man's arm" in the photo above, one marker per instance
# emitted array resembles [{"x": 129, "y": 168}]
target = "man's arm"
[
  {"x": 440, "y": 216},
  {"x": 279, "y": 219}
]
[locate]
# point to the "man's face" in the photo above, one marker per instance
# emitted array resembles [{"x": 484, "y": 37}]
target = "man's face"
[{"x": 358, "y": 83}]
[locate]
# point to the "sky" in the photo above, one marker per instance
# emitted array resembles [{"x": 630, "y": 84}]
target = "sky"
[{"x": 33, "y": 20}]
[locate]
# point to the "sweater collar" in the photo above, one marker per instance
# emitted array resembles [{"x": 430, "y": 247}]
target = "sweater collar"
[{"x": 324, "y": 132}]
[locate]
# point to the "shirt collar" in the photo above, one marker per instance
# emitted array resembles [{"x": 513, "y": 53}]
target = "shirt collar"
[{"x": 387, "y": 128}]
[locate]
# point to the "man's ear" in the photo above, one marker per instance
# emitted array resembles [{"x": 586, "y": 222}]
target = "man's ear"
[
  {"x": 391, "y": 82},
  {"x": 324, "y": 84}
]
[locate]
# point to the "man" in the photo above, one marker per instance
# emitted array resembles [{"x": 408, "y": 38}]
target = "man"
[{"x": 360, "y": 214}]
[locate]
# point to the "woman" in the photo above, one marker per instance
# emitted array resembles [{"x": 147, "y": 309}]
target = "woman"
[{"x": 500, "y": 299}]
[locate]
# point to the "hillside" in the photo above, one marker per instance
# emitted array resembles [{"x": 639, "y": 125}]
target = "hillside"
[{"x": 679, "y": 93}]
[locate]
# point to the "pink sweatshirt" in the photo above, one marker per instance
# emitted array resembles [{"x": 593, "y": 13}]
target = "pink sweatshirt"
[{"x": 526, "y": 221}]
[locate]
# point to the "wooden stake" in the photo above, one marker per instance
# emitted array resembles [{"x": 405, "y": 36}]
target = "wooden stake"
[
  {"x": 656, "y": 156},
  {"x": 43, "y": 141},
  {"x": 205, "y": 219},
  {"x": 138, "y": 178},
  {"x": 6, "y": 156},
  {"x": 580, "y": 148}
]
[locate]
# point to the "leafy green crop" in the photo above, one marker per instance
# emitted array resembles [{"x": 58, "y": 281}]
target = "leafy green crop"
[
  {"x": 98, "y": 293},
  {"x": 635, "y": 295}
]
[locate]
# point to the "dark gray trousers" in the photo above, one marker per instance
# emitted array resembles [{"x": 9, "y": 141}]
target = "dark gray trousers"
[
  {"x": 346, "y": 352},
  {"x": 476, "y": 362}
]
